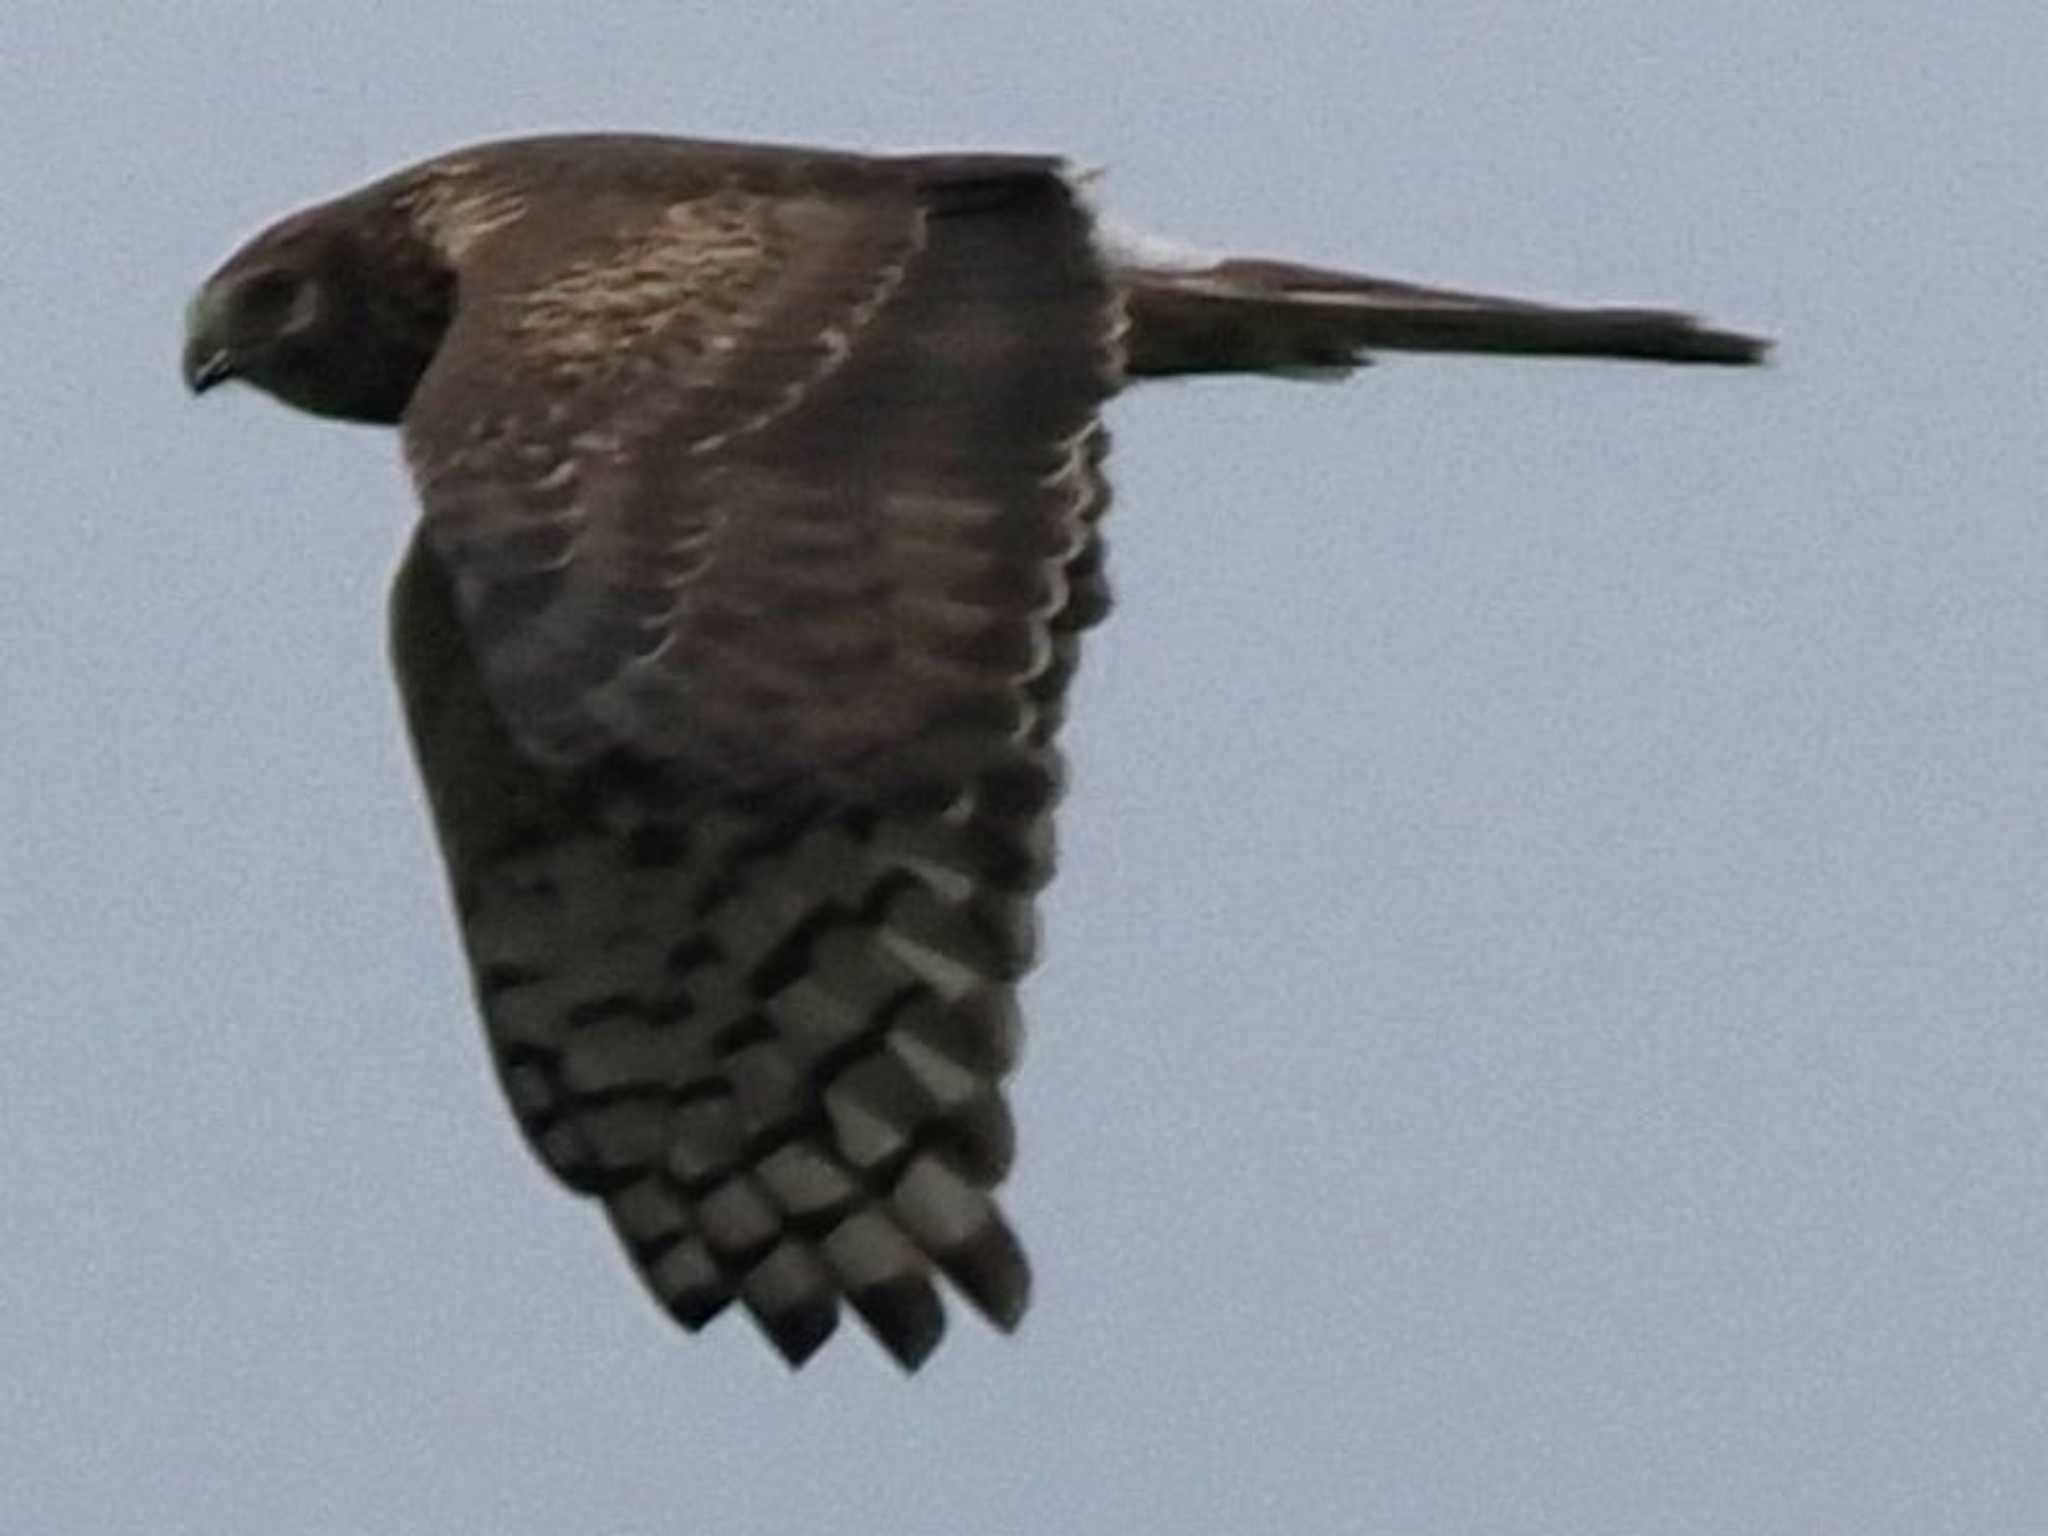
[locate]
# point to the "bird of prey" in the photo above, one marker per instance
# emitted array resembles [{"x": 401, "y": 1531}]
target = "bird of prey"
[{"x": 762, "y": 492}]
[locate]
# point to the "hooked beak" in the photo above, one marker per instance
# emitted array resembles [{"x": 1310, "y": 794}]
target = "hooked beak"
[
  {"x": 207, "y": 360},
  {"x": 206, "y": 364}
]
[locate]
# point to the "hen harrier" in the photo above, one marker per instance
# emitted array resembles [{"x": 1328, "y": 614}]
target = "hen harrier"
[{"x": 762, "y": 495}]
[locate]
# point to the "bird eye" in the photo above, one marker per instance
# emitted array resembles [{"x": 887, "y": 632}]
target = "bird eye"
[{"x": 268, "y": 298}]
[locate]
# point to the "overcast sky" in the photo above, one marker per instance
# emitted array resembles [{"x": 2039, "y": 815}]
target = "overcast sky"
[{"x": 1546, "y": 1025}]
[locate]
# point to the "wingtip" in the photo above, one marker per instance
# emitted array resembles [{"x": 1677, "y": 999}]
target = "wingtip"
[
  {"x": 991, "y": 1271},
  {"x": 905, "y": 1316},
  {"x": 799, "y": 1332}
]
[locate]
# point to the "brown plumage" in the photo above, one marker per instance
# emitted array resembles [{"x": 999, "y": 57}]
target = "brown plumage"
[{"x": 761, "y": 492}]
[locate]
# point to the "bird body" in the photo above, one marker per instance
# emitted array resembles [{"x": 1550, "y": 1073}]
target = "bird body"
[{"x": 762, "y": 495}]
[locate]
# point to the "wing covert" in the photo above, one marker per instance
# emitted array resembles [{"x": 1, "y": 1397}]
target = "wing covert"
[{"x": 776, "y": 486}]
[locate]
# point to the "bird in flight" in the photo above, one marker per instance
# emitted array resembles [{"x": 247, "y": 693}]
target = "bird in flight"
[{"x": 762, "y": 497}]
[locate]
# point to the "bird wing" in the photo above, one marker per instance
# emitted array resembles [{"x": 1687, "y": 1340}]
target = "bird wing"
[
  {"x": 758, "y": 536},
  {"x": 771, "y": 484}
]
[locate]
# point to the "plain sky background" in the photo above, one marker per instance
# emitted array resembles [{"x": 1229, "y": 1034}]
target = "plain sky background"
[{"x": 1546, "y": 1026}]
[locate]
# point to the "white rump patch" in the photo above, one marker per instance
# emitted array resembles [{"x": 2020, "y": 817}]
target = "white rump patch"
[{"x": 1123, "y": 244}]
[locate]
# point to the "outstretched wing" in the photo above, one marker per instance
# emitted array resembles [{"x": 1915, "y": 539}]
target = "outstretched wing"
[
  {"x": 759, "y": 533},
  {"x": 770, "y": 484}
]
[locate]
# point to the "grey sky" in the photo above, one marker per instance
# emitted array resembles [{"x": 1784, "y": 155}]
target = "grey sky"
[{"x": 1544, "y": 1021}]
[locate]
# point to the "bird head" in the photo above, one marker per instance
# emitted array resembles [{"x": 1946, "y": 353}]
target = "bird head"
[{"x": 293, "y": 313}]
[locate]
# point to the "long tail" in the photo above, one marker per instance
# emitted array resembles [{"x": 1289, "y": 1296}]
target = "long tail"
[{"x": 1250, "y": 315}]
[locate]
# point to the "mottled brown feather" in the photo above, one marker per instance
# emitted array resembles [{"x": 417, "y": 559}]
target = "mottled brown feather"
[{"x": 760, "y": 530}]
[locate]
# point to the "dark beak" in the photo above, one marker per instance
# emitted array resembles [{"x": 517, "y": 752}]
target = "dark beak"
[{"x": 206, "y": 365}]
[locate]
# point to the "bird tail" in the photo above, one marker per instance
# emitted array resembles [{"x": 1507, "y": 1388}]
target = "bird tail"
[{"x": 1252, "y": 315}]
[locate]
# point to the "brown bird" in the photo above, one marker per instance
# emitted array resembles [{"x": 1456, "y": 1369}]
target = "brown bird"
[{"x": 762, "y": 492}]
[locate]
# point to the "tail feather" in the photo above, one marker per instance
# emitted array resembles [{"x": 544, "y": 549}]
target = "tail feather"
[{"x": 1251, "y": 315}]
